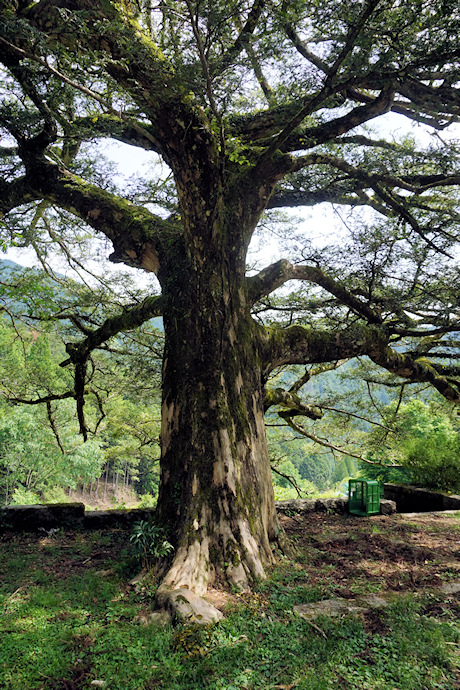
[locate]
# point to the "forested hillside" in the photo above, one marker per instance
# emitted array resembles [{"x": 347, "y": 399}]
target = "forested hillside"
[{"x": 42, "y": 455}]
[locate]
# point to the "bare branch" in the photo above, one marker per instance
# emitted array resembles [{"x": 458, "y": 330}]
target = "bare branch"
[
  {"x": 53, "y": 426},
  {"x": 322, "y": 442},
  {"x": 42, "y": 400},
  {"x": 289, "y": 479},
  {"x": 347, "y": 413}
]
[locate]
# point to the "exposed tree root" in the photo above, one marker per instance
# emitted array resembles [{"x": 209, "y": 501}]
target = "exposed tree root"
[
  {"x": 184, "y": 585},
  {"x": 185, "y": 605}
]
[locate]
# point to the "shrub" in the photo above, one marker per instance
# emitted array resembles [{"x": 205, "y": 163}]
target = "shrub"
[
  {"x": 56, "y": 494},
  {"x": 149, "y": 543},
  {"x": 434, "y": 461},
  {"x": 23, "y": 497},
  {"x": 147, "y": 501}
]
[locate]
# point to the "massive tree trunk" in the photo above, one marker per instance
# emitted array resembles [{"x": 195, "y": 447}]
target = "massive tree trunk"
[{"x": 216, "y": 496}]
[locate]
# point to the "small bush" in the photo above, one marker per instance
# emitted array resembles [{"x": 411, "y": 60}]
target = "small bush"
[
  {"x": 147, "y": 501},
  {"x": 149, "y": 543},
  {"x": 434, "y": 462},
  {"x": 23, "y": 497},
  {"x": 55, "y": 495}
]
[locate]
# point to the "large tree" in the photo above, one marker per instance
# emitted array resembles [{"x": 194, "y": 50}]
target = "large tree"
[{"x": 253, "y": 106}]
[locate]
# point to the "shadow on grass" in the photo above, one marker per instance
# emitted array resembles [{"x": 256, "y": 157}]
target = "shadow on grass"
[{"x": 69, "y": 619}]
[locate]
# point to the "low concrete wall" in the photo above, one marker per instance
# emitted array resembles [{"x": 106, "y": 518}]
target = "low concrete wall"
[
  {"x": 338, "y": 506},
  {"x": 32, "y": 518},
  {"x": 101, "y": 519},
  {"x": 301, "y": 506},
  {"x": 411, "y": 499},
  {"x": 69, "y": 515},
  {"x": 73, "y": 515}
]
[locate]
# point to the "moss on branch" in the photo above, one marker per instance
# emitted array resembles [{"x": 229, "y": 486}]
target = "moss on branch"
[
  {"x": 303, "y": 345},
  {"x": 126, "y": 130},
  {"x": 291, "y": 403},
  {"x": 417, "y": 370},
  {"x": 272, "y": 277},
  {"x": 135, "y": 232}
]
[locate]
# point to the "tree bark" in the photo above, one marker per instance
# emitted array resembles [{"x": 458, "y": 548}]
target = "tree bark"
[{"x": 216, "y": 496}]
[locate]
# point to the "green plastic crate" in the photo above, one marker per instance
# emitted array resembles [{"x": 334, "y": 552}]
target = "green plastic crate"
[{"x": 363, "y": 497}]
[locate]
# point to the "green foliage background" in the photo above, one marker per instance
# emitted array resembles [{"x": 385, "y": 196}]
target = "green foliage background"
[{"x": 41, "y": 460}]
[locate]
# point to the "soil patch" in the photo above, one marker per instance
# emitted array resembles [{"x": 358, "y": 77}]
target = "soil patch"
[{"x": 389, "y": 553}]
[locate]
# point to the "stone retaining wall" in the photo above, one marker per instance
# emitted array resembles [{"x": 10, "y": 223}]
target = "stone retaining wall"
[
  {"x": 73, "y": 515},
  {"x": 338, "y": 506},
  {"x": 70, "y": 515},
  {"x": 411, "y": 499},
  {"x": 35, "y": 517}
]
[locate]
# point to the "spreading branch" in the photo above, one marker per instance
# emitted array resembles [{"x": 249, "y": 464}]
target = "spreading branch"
[
  {"x": 279, "y": 273},
  {"x": 135, "y": 232},
  {"x": 300, "y": 345},
  {"x": 416, "y": 370},
  {"x": 129, "y": 319},
  {"x": 79, "y": 353}
]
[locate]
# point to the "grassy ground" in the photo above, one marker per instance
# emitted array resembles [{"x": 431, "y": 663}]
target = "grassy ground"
[{"x": 69, "y": 617}]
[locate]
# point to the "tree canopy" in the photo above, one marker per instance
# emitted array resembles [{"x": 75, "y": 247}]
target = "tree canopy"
[{"x": 246, "y": 108}]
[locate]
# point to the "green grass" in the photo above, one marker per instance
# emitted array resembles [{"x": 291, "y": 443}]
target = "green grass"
[{"x": 64, "y": 624}]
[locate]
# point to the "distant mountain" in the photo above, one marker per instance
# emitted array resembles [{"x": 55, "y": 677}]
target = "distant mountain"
[{"x": 7, "y": 265}]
